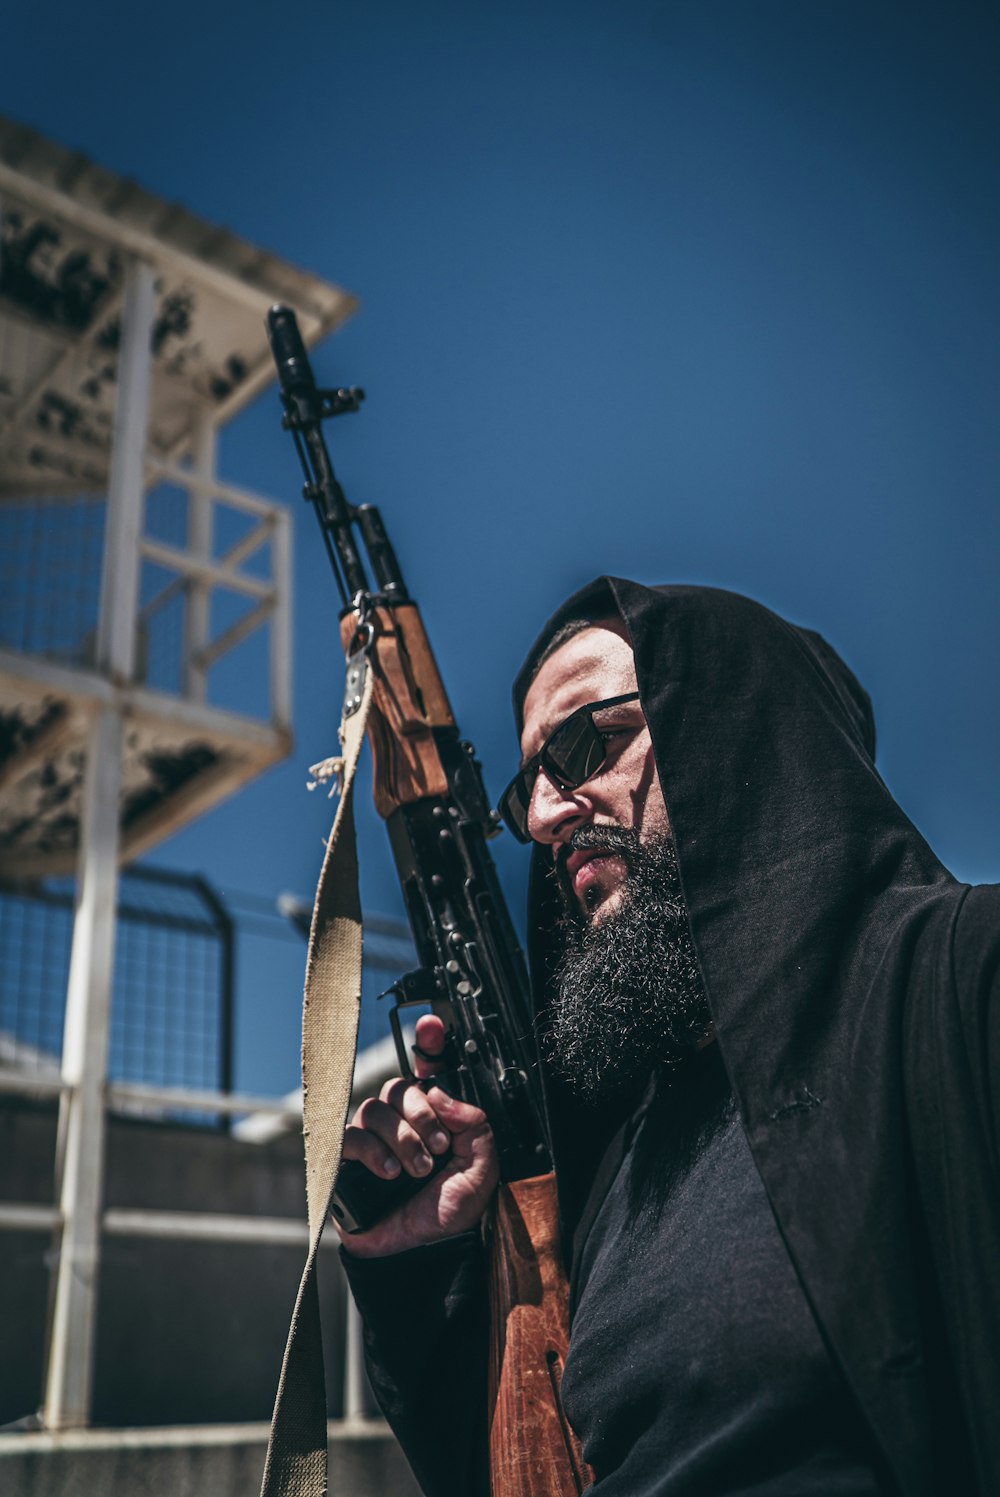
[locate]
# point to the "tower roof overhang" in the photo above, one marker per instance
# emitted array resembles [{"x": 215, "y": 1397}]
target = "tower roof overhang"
[{"x": 68, "y": 228}]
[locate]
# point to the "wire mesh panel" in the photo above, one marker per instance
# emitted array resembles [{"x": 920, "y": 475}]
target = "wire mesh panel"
[
  {"x": 171, "y": 1005},
  {"x": 50, "y": 576},
  {"x": 173, "y": 1010},
  {"x": 34, "y": 965},
  {"x": 173, "y": 949}
]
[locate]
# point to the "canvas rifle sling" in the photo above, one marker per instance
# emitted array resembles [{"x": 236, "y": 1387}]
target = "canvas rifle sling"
[{"x": 296, "y": 1463}]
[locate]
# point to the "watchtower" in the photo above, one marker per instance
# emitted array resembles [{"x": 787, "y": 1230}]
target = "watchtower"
[{"x": 139, "y": 594}]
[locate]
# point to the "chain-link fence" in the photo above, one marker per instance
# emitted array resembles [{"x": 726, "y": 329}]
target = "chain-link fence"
[
  {"x": 180, "y": 947},
  {"x": 201, "y": 1230},
  {"x": 171, "y": 1014},
  {"x": 50, "y": 577}
]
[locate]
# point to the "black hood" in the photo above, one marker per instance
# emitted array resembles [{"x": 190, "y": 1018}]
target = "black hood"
[{"x": 808, "y": 891}]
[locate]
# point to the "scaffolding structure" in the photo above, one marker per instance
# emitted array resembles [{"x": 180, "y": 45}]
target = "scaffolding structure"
[{"x": 131, "y": 331}]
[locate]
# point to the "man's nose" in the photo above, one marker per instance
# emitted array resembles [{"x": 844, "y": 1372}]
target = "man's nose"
[{"x": 553, "y": 813}]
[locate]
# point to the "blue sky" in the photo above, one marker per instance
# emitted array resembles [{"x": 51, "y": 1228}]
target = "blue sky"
[{"x": 696, "y": 291}]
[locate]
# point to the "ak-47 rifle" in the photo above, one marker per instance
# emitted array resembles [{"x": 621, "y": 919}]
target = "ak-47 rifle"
[{"x": 429, "y": 790}]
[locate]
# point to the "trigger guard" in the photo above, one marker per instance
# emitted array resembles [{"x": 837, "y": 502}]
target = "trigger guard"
[{"x": 431, "y": 1057}]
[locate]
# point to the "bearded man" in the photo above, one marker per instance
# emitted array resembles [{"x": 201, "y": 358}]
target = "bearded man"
[{"x": 770, "y": 1039}]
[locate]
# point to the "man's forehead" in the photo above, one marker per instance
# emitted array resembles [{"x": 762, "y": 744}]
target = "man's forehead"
[{"x": 595, "y": 663}]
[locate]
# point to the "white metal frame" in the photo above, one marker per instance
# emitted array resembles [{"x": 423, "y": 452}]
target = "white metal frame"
[
  {"x": 80, "y": 1144},
  {"x": 147, "y": 234},
  {"x": 198, "y": 575},
  {"x": 82, "y": 1091}
]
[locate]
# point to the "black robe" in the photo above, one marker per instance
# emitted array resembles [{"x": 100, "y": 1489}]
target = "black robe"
[{"x": 855, "y": 988}]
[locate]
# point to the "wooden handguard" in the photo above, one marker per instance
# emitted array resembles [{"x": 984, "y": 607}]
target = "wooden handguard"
[
  {"x": 408, "y": 700},
  {"x": 533, "y": 1450}
]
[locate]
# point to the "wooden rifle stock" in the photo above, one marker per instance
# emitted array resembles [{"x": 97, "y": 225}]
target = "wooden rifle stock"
[
  {"x": 533, "y": 1450},
  {"x": 409, "y": 701}
]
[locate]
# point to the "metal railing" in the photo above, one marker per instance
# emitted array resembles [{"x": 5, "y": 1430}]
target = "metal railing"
[
  {"x": 222, "y": 577},
  {"x": 202, "y": 575},
  {"x": 181, "y": 908}
]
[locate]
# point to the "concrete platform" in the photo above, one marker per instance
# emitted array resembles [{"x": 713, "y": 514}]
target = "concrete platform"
[{"x": 222, "y": 1460}]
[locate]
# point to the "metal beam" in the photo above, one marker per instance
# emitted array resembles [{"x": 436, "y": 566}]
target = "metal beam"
[
  {"x": 359, "y": 1400},
  {"x": 15, "y": 1217},
  {"x": 31, "y": 1084},
  {"x": 176, "y": 560},
  {"x": 116, "y": 629},
  {"x": 190, "y": 1099},
  {"x": 38, "y": 678},
  {"x": 281, "y": 623},
  {"x": 199, "y": 539},
  {"x": 204, "y": 1226},
  {"x": 236, "y": 498},
  {"x": 80, "y": 1146},
  {"x": 246, "y": 737},
  {"x": 166, "y": 1226}
]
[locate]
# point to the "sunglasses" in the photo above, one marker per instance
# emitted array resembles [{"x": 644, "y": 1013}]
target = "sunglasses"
[{"x": 571, "y": 755}]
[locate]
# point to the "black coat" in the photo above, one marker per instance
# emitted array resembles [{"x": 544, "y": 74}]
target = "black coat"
[{"x": 855, "y": 987}]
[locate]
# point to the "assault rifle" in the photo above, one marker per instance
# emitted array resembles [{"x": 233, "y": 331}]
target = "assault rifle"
[{"x": 428, "y": 788}]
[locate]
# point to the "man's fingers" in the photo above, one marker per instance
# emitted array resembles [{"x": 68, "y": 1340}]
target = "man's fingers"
[
  {"x": 411, "y": 1102},
  {"x": 406, "y": 1127},
  {"x": 398, "y": 1135},
  {"x": 370, "y": 1151},
  {"x": 457, "y": 1116}
]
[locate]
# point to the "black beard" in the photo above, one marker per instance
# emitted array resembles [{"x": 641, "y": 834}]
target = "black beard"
[{"x": 629, "y": 994}]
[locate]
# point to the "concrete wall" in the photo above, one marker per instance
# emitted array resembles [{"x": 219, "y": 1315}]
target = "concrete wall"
[
  {"x": 188, "y": 1333},
  {"x": 220, "y": 1462}
]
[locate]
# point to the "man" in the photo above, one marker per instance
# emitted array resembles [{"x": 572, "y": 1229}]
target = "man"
[{"x": 769, "y": 1024}]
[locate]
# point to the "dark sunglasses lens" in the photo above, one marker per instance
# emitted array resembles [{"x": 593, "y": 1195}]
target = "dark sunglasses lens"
[
  {"x": 515, "y": 801},
  {"x": 576, "y": 750}
]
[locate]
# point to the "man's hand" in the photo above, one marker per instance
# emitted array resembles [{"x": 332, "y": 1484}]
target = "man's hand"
[{"x": 402, "y": 1129}]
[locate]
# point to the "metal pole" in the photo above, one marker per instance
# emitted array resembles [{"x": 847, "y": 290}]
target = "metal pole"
[
  {"x": 80, "y": 1149},
  {"x": 281, "y": 621},
  {"x": 116, "y": 628},
  {"x": 85, "y": 1047},
  {"x": 356, "y": 1396},
  {"x": 199, "y": 534},
  {"x": 223, "y": 923}
]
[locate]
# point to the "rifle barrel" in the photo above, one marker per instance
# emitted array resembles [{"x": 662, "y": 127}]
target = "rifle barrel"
[{"x": 303, "y": 404}]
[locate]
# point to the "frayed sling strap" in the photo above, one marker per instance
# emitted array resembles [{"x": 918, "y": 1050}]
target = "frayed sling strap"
[{"x": 296, "y": 1463}]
